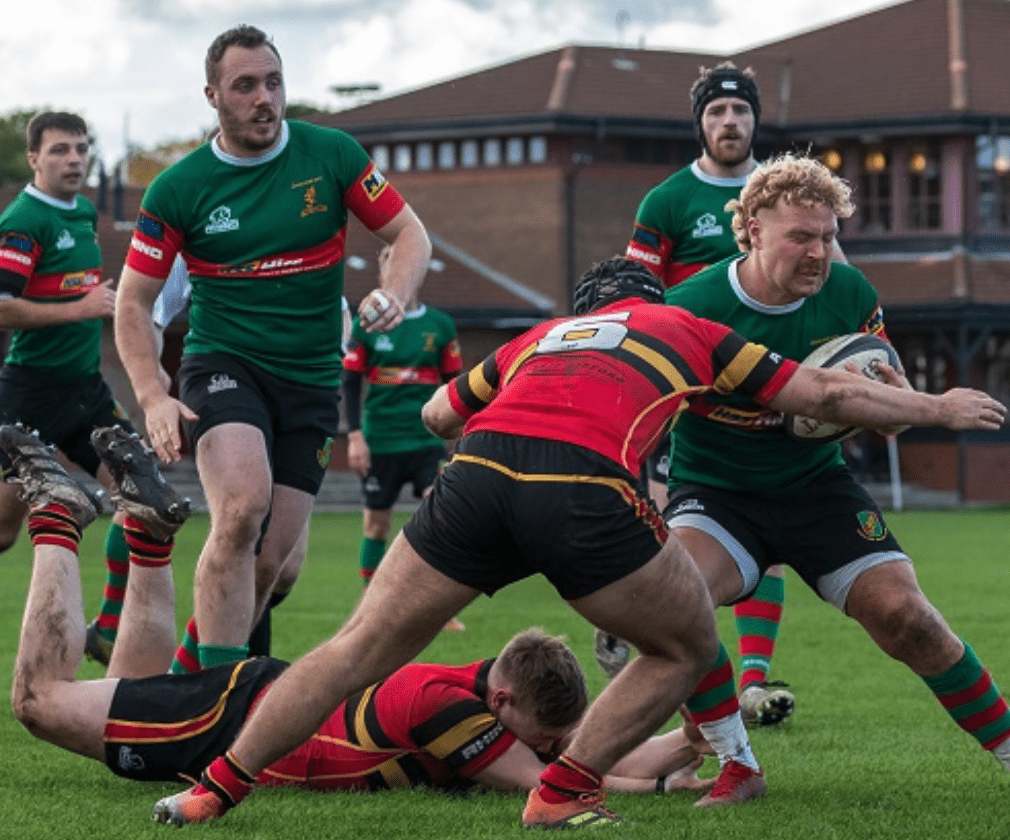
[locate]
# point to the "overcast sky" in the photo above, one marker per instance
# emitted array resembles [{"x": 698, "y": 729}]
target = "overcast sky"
[{"x": 134, "y": 68}]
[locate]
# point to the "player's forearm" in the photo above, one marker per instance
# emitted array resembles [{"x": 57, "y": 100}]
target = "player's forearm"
[
  {"x": 409, "y": 257},
  {"x": 139, "y": 346},
  {"x": 440, "y": 417},
  {"x": 850, "y": 399},
  {"x": 23, "y": 314}
]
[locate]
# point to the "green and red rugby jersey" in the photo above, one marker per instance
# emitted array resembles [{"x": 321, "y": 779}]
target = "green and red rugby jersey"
[
  {"x": 425, "y": 724},
  {"x": 611, "y": 381},
  {"x": 403, "y": 368},
  {"x": 683, "y": 226},
  {"x": 731, "y": 441},
  {"x": 264, "y": 243},
  {"x": 50, "y": 249}
]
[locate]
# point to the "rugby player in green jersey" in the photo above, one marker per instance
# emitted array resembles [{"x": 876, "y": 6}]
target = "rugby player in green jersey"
[
  {"x": 53, "y": 300},
  {"x": 743, "y": 494},
  {"x": 259, "y": 214},
  {"x": 681, "y": 227},
  {"x": 388, "y": 444}
]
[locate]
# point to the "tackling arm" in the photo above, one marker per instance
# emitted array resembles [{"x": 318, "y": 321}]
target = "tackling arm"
[{"x": 848, "y": 399}]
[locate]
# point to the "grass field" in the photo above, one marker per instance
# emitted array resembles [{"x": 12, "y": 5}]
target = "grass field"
[{"x": 869, "y": 753}]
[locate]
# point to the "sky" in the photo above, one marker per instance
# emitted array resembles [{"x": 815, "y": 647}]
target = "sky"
[{"x": 134, "y": 68}]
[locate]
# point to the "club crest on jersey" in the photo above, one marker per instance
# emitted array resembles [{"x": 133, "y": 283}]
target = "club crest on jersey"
[
  {"x": 65, "y": 240},
  {"x": 310, "y": 203},
  {"x": 374, "y": 184},
  {"x": 221, "y": 221},
  {"x": 429, "y": 342},
  {"x": 871, "y": 527},
  {"x": 323, "y": 455},
  {"x": 707, "y": 225}
]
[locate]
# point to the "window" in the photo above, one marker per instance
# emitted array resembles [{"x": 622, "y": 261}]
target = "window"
[
  {"x": 492, "y": 152},
  {"x": 401, "y": 157},
  {"x": 992, "y": 159},
  {"x": 538, "y": 149},
  {"x": 380, "y": 154},
  {"x": 875, "y": 192},
  {"x": 447, "y": 155},
  {"x": 424, "y": 156},
  {"x": 514, "y": 151},
  {"x": 924, "y": 207},
  {"x": 468, "y": 154}
]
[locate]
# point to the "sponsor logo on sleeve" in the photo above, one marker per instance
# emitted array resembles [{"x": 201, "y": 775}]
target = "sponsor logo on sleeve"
[
  {"x": 646, "y": 237},
  {"x": 151, "y": 251},
  {"x": 642, "y": 256},
  {"x": 374, "y": 183}
]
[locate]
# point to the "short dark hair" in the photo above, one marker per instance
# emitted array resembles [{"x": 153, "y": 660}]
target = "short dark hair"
[
  {"x": 545, "y": 677},
  {"x": 60, "y": 120},
  {"x": 245, "y": 36},
  {"x": 613, "y": 280}
]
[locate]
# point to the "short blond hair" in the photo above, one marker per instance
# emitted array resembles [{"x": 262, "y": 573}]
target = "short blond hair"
[{"x": 795, "y": 179}]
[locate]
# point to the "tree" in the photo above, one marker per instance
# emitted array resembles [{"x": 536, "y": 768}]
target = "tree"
[{"x": 13, "y": 145}]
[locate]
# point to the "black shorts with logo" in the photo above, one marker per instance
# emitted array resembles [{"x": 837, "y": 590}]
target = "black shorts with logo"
[
  {"x": 508, "y": 507},
  {"x": 829, "y": 534},
  {"x": 172, "y": 726},
  {"x": 298, "y": 421},
  {"x": 63, "y": 411},
  {"x": 390, "y": 471}
]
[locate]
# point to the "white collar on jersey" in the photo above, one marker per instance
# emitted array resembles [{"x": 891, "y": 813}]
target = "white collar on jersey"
[
  {"x": 747, "y": 300},
  {"x": 266, "y": 157},
  {"x": 415, "y": 313},
  {"x": 35, "y": 192},
  {"x": 715, "y": 180}
]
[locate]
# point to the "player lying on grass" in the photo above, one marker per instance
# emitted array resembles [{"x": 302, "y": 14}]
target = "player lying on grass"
[{"x": 427, "y": 724}]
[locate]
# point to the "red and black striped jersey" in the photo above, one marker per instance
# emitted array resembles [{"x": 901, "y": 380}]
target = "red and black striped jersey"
[
  {"x": 612, "y": 380},
  {"x": 425, "y": 724}
]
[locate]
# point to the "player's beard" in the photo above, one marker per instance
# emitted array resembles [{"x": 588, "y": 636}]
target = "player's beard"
[
  {"x": 732, "y": 156},
  {"x": 244, "y": 133}
]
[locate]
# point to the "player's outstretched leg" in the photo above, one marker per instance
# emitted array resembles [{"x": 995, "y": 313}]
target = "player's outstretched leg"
[
  {"x": 143, "y": 492},
  {"x": 41, "y": 476}
]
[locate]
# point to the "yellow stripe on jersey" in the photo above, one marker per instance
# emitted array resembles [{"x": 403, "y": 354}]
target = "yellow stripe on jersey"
[
  {"x": 393, "y": 774},
  {"x": 463, "y": 732},
  {"x": 522, "y": 357},
  {"x": 658, "y": 361},
  {"x": 360, "y": 727},
  {"x": 740, "y": 368},
  {"x": 481, "y": 388}
]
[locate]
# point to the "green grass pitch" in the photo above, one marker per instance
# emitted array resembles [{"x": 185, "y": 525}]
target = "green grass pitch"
[{"x": 869, "y": 753}]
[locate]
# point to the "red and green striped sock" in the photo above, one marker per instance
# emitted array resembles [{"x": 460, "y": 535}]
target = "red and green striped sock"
[
  {"x": 714, "y": 698},
  {"x": 969, "y": 695},
  {"x": 369, "y": 556},
  {"x": 117, "y": 568},
  {"x": 757, "y": 625},
  {"x": 187, "y": 657}
]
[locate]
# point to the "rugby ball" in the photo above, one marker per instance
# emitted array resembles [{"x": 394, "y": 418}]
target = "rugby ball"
[{"x": 863, "y": 350}]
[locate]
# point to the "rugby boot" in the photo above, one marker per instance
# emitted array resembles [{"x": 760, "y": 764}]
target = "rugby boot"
[{"x": 142, "y": 491}]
